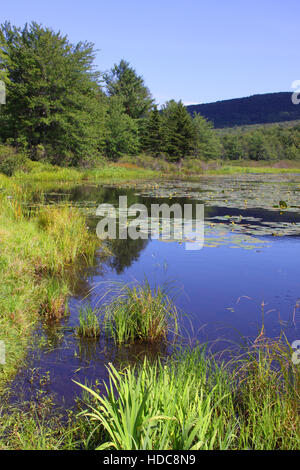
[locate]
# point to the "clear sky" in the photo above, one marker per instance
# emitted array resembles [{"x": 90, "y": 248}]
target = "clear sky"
[{"x": 195, "y": 50}]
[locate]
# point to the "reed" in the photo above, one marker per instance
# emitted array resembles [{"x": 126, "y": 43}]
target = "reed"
[
  {"x": 140, "y": 313},
  {"x": 89, "y": 322},
  {"x": 66, "y": 230}
]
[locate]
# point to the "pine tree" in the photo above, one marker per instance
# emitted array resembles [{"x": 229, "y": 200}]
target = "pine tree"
[
  {"x": 154, "y": 135},
  {"x": 4, "y": 59},
  {"x": 124, "y": 82},
  {"x": 180, "y": 132}
]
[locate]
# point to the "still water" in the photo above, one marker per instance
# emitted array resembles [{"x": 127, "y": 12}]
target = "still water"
[{"x": 247, "y": 274}]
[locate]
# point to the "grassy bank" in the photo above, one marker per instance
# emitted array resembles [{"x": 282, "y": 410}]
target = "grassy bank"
[
  {"x": 35, "y": 256},
  {"x": 188, "y": 401},
  {"x": 196, "y": 167},
  {"x": 106, "y": 173},
  {"x": 193, "y": 167},
  {"x": 144, "y": 167},
  {"x": 150, "y": 169},
  {"x": 242, "y": 170}
]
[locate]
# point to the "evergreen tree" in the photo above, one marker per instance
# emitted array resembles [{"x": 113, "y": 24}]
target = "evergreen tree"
[
  {"x": 154, "y": 135},
  {"x": 180, "y": 131},
  {"x": 257, "y": 147},
  {"x": 124, "y": 82},
  {"x": 4, "y": 59}
]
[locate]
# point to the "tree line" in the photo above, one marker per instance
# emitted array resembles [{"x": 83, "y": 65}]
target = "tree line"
[{"x": 60, "y": 109}]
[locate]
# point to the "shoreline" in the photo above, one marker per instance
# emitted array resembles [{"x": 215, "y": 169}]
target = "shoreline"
[{"x": 36, "y": 277}]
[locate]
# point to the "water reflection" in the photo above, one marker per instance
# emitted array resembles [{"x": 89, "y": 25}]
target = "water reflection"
[
  {"x": 124, "y": 253},
  {"x": 220, "y": 289}
]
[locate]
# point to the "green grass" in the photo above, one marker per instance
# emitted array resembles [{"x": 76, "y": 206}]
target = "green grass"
[
  {"x": 67, "y": 232},
  {"x": 36, "y": 425},
  {"x": 194, "y": 166},
  {"x": 192, "y": 403},
  {"x": 176, "y": 406},
  {"x": 144, "y": 167},
  {"x": 136, "y": 313},
  {"x": 108, "y": 172},
  {"x": 140, "y": 313},
  {"x": 31, "y": 426},
  {"x": 232, "y": 170},
  {"x": 89, "y": 322},
  {"x": 189, "y": 402},
  {"x": 36, "y": 257}
]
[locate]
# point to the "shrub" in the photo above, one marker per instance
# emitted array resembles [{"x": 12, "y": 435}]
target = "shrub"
[{"x": 10, "y": 160}]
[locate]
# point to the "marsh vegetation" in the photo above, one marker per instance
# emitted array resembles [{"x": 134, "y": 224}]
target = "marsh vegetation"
[{"x": 117, "y": 355}]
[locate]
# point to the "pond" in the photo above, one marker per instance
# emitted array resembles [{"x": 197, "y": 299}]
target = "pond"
[{"x": 246, "y": 275}]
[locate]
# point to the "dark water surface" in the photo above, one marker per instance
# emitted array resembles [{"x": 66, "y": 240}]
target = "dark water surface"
[{"x": 250, "y": 257}]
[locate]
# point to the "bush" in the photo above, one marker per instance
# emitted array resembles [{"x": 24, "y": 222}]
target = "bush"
[
  {"x": 10, "y": 160},
  {"x": 147, "y": 161}
]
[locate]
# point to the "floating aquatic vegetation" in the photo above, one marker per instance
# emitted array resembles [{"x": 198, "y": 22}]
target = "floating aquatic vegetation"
[
  {"x": 267, "y": 191},
  {"x": 279, "y": 194},
  {"x": 269, "y": 205}
]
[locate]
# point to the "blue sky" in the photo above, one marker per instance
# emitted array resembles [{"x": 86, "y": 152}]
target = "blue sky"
[{"x": 194, "y": 50}]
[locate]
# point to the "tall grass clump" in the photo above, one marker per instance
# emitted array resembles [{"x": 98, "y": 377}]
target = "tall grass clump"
[
  {"x": 54, "y": 296},
  {"x": 268, "y": 396},
  {"x": 67, "y": 232},
  {"x": 89, "y": 322},
  {"x": 192, "y": 402},
  {"x": 140, "y": 313},
  {"x": 184, "y": 404}
]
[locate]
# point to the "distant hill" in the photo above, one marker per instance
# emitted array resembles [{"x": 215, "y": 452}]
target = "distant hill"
[{"x": 256, "y": 109}]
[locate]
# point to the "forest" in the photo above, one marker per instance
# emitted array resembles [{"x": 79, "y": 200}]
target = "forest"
[
  {"x": 61, "y": 110},
  {"x": 255, "y": 109}
]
